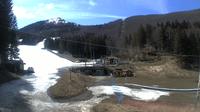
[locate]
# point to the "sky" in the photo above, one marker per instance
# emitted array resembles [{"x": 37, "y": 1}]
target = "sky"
[{"x": 92, "y": 12}]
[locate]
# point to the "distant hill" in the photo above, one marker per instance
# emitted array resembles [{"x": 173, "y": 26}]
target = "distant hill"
[
  {"x": 115, "y": 29},
  {"x": 36, "y": 32}
]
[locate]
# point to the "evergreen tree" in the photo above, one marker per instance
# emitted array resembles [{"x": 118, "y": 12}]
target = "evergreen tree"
[
  {"x": 149, "y": 31},
  {"x": 163, "y": 38},
  {"x": 142, "y": 37},
  {"x": 8, "y": 25}
]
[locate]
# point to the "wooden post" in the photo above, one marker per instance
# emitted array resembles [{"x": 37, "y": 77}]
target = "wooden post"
[
  {"x": 91, "y": 52},
  {"x": 0, "y": 59},
  {"x": 198, "y": 90},
  {"x": 85, "y": 61},
  {"x": 70, "y": 75},
  {"x": 94, "y": 60}
]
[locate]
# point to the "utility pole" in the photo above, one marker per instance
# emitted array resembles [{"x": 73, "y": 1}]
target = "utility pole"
[{"x": 198, "y": 86}]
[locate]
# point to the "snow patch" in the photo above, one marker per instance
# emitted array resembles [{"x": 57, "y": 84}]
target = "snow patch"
[
  {"x": 138, "y": 94},
  {"x": 54, "y": 38},
  {"x": 54, "y": 51},
  {"x": 57, "y": 20},
  {"x": 80, "y": 106},
  {"x": 44, "y": 63},
  {"x": 20, "y": 40}
]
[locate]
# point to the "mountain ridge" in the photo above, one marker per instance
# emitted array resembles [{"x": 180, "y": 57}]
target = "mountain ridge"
[
  {"x": 112, "y": 29},
  {"x": 135, "y": 16}
]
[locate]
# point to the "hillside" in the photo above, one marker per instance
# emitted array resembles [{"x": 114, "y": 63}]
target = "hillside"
[
  {"x": 134, "y": 37},
  {"x": 131, "y": 25}
]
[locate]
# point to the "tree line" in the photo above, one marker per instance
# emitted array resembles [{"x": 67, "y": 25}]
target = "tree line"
[{"x": 87, "y": 45}]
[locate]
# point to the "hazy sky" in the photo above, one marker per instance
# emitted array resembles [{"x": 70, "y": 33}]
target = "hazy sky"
[{"x": 94, "y": 11}]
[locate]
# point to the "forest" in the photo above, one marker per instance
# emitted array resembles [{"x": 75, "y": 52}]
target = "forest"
[
  {"x": 179, "y": 38},
  {"x": 88, "y": 45}
]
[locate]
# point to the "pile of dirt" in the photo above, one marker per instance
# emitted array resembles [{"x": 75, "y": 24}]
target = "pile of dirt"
[{"x": 70, "y": 85}]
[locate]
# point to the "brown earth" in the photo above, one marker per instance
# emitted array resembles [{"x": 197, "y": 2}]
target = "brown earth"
[
  {"x": 164, "y": 73},
  {"x": 167, "y": 66},
  {"x": 129, "y": 105}
]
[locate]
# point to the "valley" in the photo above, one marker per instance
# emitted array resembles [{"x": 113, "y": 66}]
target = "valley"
[{"x": 147, "y": 63}]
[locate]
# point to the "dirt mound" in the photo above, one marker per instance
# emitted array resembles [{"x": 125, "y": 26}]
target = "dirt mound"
[{"x": 70, "y": 85}]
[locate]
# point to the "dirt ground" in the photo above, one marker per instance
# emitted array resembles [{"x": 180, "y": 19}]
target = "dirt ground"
[
  {"x": 163, "y": 73},
  {"x": 129, "y": 105},
  {"x": 168, "y": 66}
]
